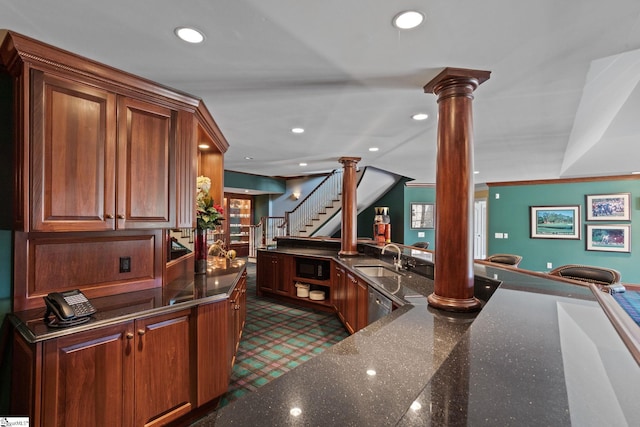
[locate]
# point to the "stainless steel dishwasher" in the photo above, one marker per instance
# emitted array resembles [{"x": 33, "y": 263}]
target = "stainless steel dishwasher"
[{"x": 379, "y": 305}]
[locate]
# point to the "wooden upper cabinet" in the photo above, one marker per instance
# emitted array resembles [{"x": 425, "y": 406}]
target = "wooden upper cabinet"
[
  {"x": 98, "y": 149},
  {"x": 73, "y": 150},
  {"x": 146, "y": 165},
  {"x": 91, "y": 173}
]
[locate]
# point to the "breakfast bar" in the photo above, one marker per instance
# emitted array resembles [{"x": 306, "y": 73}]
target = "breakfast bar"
[{"x": 540, "y": 352}]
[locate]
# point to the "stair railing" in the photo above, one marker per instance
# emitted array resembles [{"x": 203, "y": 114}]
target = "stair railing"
[
  {"x": 317, "y": 202},
  {"x": 264, "y": 233}
]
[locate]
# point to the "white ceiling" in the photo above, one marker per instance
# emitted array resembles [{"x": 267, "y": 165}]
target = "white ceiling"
[{"x": 340, "y": 70}]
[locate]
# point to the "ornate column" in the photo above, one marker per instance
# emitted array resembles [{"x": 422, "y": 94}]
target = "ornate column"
[
  {"x": 453, "y": 289},
  {"x": 349, "y": 232}
]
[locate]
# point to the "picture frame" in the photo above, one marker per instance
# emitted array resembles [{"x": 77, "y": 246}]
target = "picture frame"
[
  {"x": 608, "y": 207},
  {"x": 555, "y": 222},
  {"x": 422, "y": 216},
  {"x": 609, "y": 237}
]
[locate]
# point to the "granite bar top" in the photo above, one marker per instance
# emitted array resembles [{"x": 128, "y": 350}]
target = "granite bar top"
[
  {"x": 540, "y": 352},
  {"x": 220, "y": 280}
]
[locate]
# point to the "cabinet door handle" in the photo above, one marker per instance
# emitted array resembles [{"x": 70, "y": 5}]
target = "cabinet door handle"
[
  {"x": 120, "y": 216},
  {"x": 129, "y": 335},
  {"x": 141, "y": 332},
  {"x": 109, "y": 216}
]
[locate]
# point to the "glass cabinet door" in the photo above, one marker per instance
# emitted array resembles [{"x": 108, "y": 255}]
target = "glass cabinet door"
[{"x": 239, "y": 220}]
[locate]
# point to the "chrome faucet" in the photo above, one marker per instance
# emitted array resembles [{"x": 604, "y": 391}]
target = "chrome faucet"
[{"x": 397, "y": 262}]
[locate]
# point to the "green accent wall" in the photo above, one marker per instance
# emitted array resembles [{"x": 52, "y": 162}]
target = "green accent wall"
[
  {"x": 260, "y": 207},
  {"x": 254, "y": 182},
  {"x": 394, "y": 200},
  {"x": 510, "y": 214},
  {"x": 426, "y": 194}
]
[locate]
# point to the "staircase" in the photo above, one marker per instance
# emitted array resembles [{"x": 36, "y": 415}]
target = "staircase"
[
  {"x": 319, "y": 213},
  {"x": 322, "y": 203}
]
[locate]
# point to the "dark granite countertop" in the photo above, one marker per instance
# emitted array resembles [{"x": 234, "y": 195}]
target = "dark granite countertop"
[
  {"x": 541, "y": 352},
  {"x": 221, "y": 278}
]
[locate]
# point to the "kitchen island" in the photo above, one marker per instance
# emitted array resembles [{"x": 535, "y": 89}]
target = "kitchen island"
[{"x": 540, "y": 352}]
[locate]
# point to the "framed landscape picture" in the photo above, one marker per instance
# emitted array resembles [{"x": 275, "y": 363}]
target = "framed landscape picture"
[
  {"x": 608, "y": 207},
  {"x": 555, "y": 222},
  {"x": 422, "y": 215},
  {"x": 609, "y": 238}
]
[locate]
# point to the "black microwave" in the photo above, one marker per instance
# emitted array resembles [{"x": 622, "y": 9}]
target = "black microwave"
[{"x": 308, "y": 268}]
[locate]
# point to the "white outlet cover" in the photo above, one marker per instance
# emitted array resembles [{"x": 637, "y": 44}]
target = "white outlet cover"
[{"x": 420, "y": 233}]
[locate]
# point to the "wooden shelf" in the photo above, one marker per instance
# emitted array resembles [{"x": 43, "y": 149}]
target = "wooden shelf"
[{"x": 326, "y": 282}]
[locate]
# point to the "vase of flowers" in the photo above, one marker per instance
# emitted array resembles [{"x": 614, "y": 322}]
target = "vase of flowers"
[{"x": 208, "y": 216}]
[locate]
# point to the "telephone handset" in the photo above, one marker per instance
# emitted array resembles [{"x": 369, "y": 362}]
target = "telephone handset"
[{"x": 69, "y": 308}]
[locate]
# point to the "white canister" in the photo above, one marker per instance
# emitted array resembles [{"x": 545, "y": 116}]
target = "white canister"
[{"x": 302, "y": 290}]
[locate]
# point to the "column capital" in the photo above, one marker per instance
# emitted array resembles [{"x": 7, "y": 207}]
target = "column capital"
[
  {"x": 456, "y": 76},
  {"x": 346, "y": 161}
]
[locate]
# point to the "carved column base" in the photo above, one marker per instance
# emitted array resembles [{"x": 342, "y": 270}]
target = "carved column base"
[{"x": 454, "y": 304}]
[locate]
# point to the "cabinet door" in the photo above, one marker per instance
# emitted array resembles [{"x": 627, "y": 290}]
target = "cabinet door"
[
  {"x": 282, "y": 277},
  {"x": 163, "y": 370},
  {"x": 267, "y": 265},
  {"x": 362, "y": 304},
  {"x": 263, "y": 272},
  {"x": 339, "y": 293},
  {"x": 351, "y": 303},
  {"x": 356, "y": 304},
  {"x": 213, "y": 351},
  {"x": 73, "y": 137},
  {"x": 146, "y": 169},
  {"x": 87, "y": 378}
]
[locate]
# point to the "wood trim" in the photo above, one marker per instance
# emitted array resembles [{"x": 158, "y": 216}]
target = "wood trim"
[
  {"x": 26, "y": 296},
  {"x": 621, "y": 321},
  {"x": 565, "y": 180},
  {"x": 50, "y": 57}
]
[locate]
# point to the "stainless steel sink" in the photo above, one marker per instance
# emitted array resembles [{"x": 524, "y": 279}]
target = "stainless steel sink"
[{"x": 376, "y": 271}]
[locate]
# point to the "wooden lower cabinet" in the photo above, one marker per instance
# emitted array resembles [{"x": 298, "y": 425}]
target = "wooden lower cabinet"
[
  {"x": 87, "y": 378},
  {"x": 355, "y": 304},
  {"x": 164, "y": 349},
  {"x": 137, "y": 373},
  {"x": 214, "y": 351},
  {"x": 273, "y": 273}
]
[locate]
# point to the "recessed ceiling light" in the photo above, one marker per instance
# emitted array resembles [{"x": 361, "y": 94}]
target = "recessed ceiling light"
[
  {"x": 303, "y": 164},
  {"x": 476, "y": 172},
  {"x": 407, "y": 20},
  {"x": 373, "y": 149},
  {"x": 248, "y": 158},
  {"x": 190, "y": 35},
  {"x": 297, "y": 130},
  {"x": 420, "y": 116},
  {"x": 203, "y": 146}
]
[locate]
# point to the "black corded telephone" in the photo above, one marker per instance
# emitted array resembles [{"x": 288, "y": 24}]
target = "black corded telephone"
[{"x": 69, "y": 308}]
